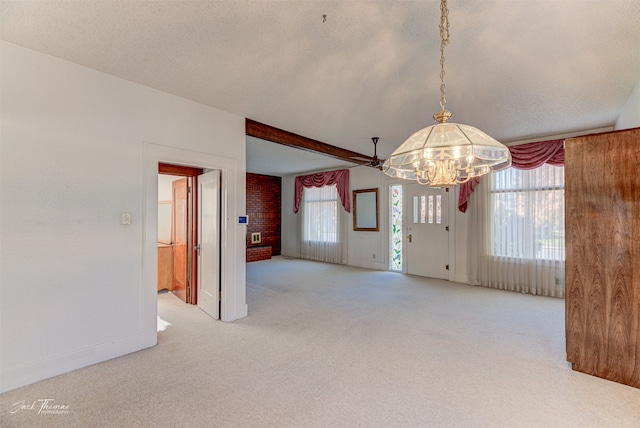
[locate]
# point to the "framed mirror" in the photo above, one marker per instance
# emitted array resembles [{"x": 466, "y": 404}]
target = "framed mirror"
[{"x": 365, "y": 210}]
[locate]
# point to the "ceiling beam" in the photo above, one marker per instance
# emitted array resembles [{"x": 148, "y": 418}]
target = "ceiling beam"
[{"x": 275, "y": 135}]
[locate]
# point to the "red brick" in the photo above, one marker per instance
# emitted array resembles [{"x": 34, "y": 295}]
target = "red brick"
[{"x": 264, "y": 211}]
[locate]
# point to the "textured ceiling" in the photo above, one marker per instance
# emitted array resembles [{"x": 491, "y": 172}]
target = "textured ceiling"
[{"x": 515, "y": 69}]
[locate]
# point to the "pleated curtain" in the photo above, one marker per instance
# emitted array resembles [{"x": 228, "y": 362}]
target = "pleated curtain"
[
  {"x": 517, "y": 223},
  {"x": 322, "y": 225},
  {"x": 322, "y": 203}
]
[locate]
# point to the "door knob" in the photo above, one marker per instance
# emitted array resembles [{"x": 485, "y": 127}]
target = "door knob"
[
  {"x": 409, "y": 238},
  {"x": 197, "y": 249}
]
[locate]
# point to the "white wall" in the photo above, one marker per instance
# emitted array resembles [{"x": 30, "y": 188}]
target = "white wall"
[
  {"x": 165, "y": 209},
  {"x": 462, "y": 238},
  {"x": 165, "y": 186},
  {"x": 289, "y": 224},
  {"x": 630, "y": 115},
  {"x": 77, "y": 148},
  {"x": 363, "y": 245}
]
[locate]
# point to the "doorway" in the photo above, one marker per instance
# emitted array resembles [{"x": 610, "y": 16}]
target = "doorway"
[
  {"x": 189, "y": 235},
  {"x": 233, "y": 283},
  {"x": 419, "y": 230}
]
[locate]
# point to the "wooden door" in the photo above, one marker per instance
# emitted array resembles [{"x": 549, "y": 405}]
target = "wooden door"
[
  {"x": 427, "y": 237},
  {"x": 180, "y": 237},
  {"x": 602, "y": 215}
]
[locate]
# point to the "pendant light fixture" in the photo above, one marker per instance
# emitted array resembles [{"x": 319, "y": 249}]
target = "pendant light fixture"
[{"x": 446, "y": 154}]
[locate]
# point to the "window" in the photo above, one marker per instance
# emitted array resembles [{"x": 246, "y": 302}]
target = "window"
[
  {"x": 396, "y": 226},
  {"x": 323, "y": 223},
  {"x": 321, "y": 214},
  {"x": 427, "y": 210},
  {"x": 527, "y": 213}
]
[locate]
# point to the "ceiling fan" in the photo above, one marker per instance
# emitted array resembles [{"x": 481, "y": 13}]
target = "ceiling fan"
[
  {"x": 363, "y": 160},
  {"x": 375, "y": 162}
]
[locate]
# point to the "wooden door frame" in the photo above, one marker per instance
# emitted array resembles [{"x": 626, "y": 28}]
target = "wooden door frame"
[{"x": 191, "y": 173}]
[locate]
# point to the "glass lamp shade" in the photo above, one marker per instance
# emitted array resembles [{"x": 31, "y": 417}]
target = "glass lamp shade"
[{"x": 447, "y": 154}]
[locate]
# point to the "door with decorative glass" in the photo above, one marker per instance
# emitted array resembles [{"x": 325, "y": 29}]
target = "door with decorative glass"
[{"x": 426, "y": 224}]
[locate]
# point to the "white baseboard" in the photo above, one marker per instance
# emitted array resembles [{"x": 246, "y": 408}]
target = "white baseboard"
[
  {"x": 28, "y": 373},
  {"x": 464, "y": 279},
  {"x": 365, "y": 264}
]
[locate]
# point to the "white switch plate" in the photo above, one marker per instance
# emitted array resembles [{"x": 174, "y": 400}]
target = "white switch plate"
[{"x": 126, "y": 218}]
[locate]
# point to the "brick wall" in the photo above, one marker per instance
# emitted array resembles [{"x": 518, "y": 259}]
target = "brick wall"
[
  {"x": 264, "y": 210},
  {"x": 258, "y": 253}
]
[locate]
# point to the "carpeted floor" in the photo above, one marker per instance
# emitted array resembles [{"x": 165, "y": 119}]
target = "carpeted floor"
[{"x": 329, "y": 345}]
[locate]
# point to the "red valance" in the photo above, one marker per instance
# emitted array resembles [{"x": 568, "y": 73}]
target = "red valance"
[
  {"x": 340, "y": 178},
  {"x": 466, "y": 189},
  {"x": 533, "y": 155},
  {"x": 523, "y": 156}
]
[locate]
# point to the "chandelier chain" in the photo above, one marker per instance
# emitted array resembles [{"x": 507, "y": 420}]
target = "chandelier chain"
[
  {"x": 446, "y": 154},
  {"x": 444, "y": 41}
]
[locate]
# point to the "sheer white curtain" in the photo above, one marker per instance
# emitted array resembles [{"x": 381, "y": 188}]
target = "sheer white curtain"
[
  {"x": 322, "y": 225},
  {"x": 518, "y": 228}
]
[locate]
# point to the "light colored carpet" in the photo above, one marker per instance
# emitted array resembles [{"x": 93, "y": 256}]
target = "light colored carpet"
[{"x": 328, "y": 345}]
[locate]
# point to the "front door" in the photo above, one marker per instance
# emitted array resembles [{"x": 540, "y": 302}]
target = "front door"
[
  {"x": 209, "y": 243},
  {"x": 426, "y": 223},
  {"x": 180, "y": 237}
]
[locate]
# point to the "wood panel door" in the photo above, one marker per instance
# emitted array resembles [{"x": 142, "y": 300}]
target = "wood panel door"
[
  {"x": 602, "y": 208},
  {"x": 180, "y": 237},
  {"x": 427, "y": 231},
  {"x": 208, "y": 253}
]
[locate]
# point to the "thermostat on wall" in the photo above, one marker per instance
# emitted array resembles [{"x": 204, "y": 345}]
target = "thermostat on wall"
[{"x": 243, "y": 219}]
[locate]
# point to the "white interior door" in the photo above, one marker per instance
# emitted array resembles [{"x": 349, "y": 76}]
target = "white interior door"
[
  {"x": 426, "y": 231},
  {"x": 209, "y": 243}
]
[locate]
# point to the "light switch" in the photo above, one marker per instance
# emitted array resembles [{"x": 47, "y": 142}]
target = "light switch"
[{"x": 126, "y": 218}]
